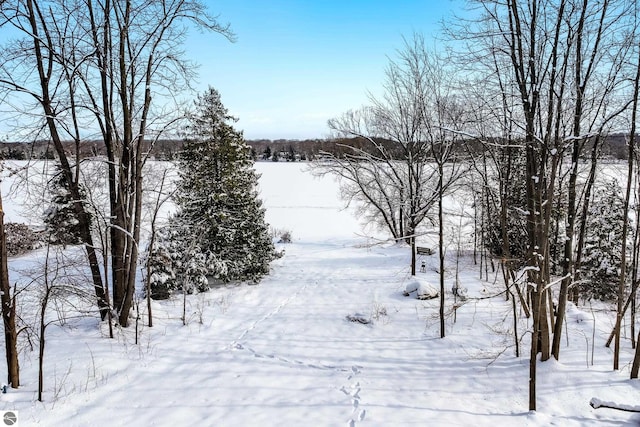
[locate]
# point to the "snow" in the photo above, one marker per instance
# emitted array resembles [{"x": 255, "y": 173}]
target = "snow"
[
  {"x": 283, "y": 353},
  {"x": 597, "y": 403},
  {"x": 422, "y": 288},
  {"x": 411, "y": 287},
  {"x": 574, "y": 314}
]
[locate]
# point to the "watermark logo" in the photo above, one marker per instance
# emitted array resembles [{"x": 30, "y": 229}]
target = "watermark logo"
[{"x": 9, "y": 418}]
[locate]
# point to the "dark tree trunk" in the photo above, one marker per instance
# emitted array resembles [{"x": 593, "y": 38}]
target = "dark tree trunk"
[
  {"x": 441, "y": 245},
  {"x": 635, "y": 366},
  {"x": 8, "y": 311}
]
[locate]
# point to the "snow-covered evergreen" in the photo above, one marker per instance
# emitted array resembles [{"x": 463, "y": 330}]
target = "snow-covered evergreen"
[
  {"x": 514, "y": 195},
  {"x": 602, "y": 259},
  {"x": 60, "y": 217},
  {"x": 219, "y": 232}
]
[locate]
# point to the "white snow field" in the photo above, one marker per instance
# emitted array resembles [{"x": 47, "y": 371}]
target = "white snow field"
[{"x": 327, "y": 339}]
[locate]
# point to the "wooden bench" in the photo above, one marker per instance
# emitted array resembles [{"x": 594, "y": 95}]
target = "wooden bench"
[{"x": 423, "y": 250}]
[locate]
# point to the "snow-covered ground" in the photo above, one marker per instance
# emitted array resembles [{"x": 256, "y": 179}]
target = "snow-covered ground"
[{"x": 287, "y": 352}]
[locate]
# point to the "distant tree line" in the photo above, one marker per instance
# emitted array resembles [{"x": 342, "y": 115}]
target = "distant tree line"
[{"x": 614, "y": 147}]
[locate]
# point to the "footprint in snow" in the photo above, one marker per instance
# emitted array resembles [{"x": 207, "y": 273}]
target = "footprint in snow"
[{"x": 355, "y": 370}]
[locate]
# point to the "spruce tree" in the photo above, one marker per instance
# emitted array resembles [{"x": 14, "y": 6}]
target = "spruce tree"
[
  {"x": 60, "y": 217},
  {"x": 602, "y": 252},
  {"x": 514, "y": 196},
  {"x": 219, "y": 225}
]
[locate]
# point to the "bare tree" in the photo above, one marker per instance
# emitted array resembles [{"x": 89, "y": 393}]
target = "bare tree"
[
  {"x": 161, "y": 198},
  {"x": 26, "y": 17},
  {"x": 625, "y": 214},
  {"x": 392, "y": 175},
  {"x": 534, "y": 68},
  {"x": 445, "y": 123},
  {"x": 559, "y": 68},
  {"x": 635, "y": 365},
  {"x": 105, "y": 66},
  {"x": 596, "y": 77},
  {"x": 59, "y": 284}
]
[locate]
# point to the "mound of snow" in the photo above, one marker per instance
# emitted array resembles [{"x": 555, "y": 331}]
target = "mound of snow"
[
  {"x": 423, "y": 289},
  {"x": 575, "y": 314},
  {"x": 427, "y": 291},
  {"x": 411, "y": 287}
]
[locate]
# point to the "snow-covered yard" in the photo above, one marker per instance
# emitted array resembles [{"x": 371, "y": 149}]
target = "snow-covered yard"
[{"x": 287, "y": 352}]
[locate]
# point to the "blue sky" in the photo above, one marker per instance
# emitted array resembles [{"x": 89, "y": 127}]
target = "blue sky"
[{"x": 298, "y": 63}]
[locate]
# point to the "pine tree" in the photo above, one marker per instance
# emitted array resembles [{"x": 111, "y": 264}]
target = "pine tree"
[
  {"x": 60, "y": 217},
  {"x": 219, "y": 226},
  {"x": 514, "y": 195},
  {"x": 161, "y": 260},
  {"x": 602, "y": 257}
]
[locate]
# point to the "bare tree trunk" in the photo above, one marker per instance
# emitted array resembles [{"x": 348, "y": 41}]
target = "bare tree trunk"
[
  {"x": 8, "y": 311},
  {"x": 412, "y": 239},
  {"x": 152, "y": 239},
  {"x": 441, "y": 250},
  {"x": 627, "y": 304},
  {"x": 506, "y": 277},
  {"x": 44, "y": 302},
  {"x": 533, "y": 354},
  {"x": 635, "y": 366}
]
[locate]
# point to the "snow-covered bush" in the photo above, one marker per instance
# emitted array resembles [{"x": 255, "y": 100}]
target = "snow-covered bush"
[
  {"x": 175, "y": 264},
  {"x": 21, "y": 238},
  {"x": 283, "y": 236},
  {"x": 411, "y": 287}
]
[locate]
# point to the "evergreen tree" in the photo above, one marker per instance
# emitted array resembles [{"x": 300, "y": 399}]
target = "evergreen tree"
[
  {"x": 266, "y": 154},
  {"x": 514, "y": 195},
  {"x": 219, "y": 231},
  {"x": 602, "y": 256},
  {"x": 60, "y": 218},
  {"x": 161, "y": 260}
]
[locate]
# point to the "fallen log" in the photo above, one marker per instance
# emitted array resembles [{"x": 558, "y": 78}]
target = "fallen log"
[{"x": 597, "y": 403}]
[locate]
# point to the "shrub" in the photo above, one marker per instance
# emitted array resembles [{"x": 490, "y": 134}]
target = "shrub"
[
  {"x": 285, "y": 237},
  {"x": 21, "y": 238}
]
